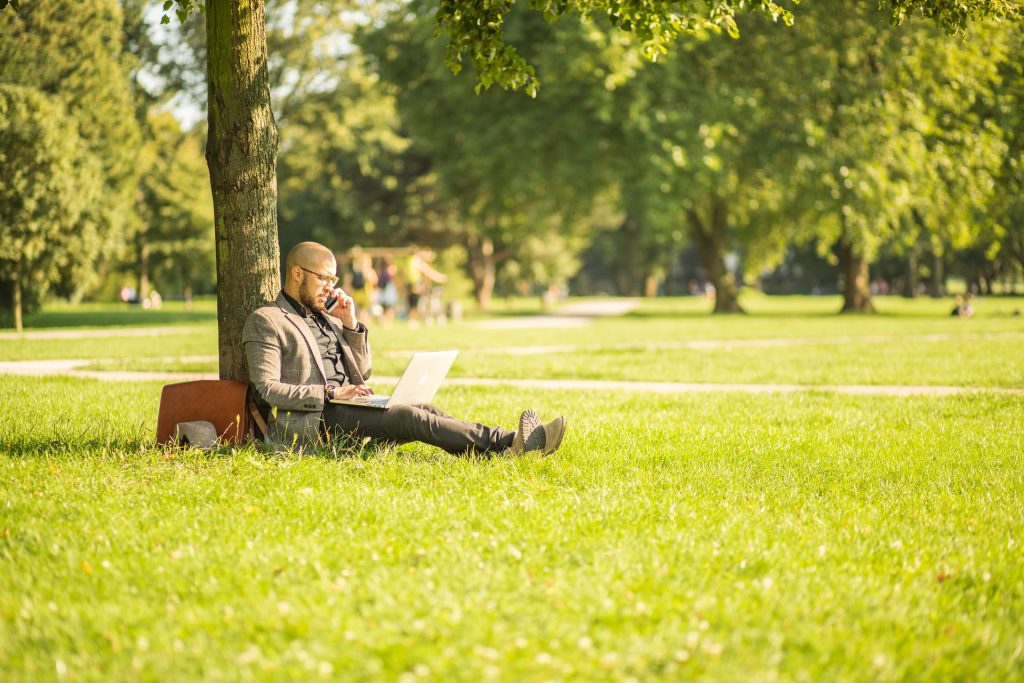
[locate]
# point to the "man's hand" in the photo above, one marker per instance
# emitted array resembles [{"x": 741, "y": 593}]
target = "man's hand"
[
  {"x": 345, "y": 310},
  {"x": 352, "y": 391}
]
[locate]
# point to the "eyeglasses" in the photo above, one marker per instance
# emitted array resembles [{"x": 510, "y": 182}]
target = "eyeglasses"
[{"x": 323, "y": 277}]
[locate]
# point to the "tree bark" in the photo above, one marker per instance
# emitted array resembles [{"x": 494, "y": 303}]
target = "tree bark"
[
  {"x": 241, "y": 153},
  {"x": 709, "y": 238},
  {"x": 854, "y": 269},
  {"x": 16, "y": 305},
  {"x": 482, "y": 268}
]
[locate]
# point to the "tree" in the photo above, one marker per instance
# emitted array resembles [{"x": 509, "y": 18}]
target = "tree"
[
  {"x": 701, "y": 138},
  {"x": 896, "y": 146},
  {"x": 50, "y": 180},
  {"x": 348, "y": 174},
  {"x": 72, "y": 52},
  {"x": 514, "y": 175},
  {"x": 176, "y": 209},
  {"x": 1006, "y": 228}
]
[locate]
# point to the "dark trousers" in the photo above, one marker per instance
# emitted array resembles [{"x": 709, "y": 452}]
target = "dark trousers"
[{"x": 425, "y": 423}]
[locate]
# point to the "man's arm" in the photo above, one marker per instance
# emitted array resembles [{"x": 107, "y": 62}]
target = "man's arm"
[
  {"x": 265, "y": 355},
  {"x": 358, "y": 341},
  {"x": 354, "y": 332}
]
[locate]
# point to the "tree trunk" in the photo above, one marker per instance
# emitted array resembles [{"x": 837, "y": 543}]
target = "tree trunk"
[
  {"x": 854, "y": 269},
  {"x": 709, "y": 239},
  {"x": 911, "y": 281},
  {"x": 142, "y": 264},
  {"x": 937, "y": 283},
  {"x": 651, "y": 285},
  {"x": 16, "y": 305},
  {"x": 627, "y": 275},
  {"x": 241, "y": 152},
  {"x": 482, "y": 268}
]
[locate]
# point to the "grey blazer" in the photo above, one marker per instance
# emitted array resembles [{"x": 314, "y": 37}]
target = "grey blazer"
[{"x": 286, "y": 369}]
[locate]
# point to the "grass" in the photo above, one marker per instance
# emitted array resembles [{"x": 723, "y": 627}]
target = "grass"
[{"x": 718, "y": 536}]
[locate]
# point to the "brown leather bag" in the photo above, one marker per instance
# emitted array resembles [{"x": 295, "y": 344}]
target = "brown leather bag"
[{"x": 222, "y": 402}]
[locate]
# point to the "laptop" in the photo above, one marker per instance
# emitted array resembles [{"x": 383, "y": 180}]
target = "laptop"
[{"x": 418, "y": 384}]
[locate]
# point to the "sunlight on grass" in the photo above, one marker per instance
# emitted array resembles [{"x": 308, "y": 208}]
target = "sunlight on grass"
[{"x": 718, "y": 536}]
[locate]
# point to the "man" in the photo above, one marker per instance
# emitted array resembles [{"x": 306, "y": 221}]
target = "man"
[{"x": 301, "y": 356}]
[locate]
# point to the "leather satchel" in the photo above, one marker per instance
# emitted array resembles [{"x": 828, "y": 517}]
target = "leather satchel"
[{"x": 224, "y": 403}]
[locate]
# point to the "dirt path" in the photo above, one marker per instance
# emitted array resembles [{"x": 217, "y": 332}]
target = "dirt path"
[{"x": 576, "y": 314}]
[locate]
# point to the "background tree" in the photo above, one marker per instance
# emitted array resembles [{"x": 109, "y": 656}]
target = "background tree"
[
  {"x": 515, "y": 176},
  {"x": 50, "y": 181},
  {"x": 892, "y": 116},
  {"x": 177, "y": 209},
  {"x": 1004, "y": 239},
  {"x": 74, "y": 54}
]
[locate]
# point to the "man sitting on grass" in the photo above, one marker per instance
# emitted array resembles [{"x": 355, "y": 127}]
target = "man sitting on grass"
[{"x": 301, "y": 357}]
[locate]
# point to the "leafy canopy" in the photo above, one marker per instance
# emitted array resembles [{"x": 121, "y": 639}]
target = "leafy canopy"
[{"x": 476, "y": 30}]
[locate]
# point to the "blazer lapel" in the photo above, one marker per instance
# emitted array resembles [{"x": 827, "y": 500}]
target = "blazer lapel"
[{"x": 292, "y": 316}]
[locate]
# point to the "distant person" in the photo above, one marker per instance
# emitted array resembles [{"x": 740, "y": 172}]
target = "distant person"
[
  {"x": 364, "y": 285},
  {"x": 964, "y": 306},
  {"x": 967, "y": 310},
  {"x": 387, "y": 290},
  {"x": 418, "y": 276},
  {"x": 298, "y": 384}
]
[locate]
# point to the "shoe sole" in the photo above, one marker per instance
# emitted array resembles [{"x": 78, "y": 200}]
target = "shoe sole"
[{"x": 519, "y": 442}]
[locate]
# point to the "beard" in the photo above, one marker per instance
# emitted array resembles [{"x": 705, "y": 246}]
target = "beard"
[{"x": 308, "y": 297}]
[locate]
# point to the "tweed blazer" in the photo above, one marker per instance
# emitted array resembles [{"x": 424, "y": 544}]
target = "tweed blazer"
[{"x": 287, "y": 372}]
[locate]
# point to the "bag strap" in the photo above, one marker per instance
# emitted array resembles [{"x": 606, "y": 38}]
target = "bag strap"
[{"x": 257, "y": 418}]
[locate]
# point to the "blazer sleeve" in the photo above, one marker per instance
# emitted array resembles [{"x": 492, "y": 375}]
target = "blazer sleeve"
[
  {"x": 264, "y": 352},
  {"x": 358, "y": 341}
]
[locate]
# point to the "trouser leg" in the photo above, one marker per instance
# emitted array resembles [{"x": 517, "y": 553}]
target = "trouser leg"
[{"x": 424, "y": 423}]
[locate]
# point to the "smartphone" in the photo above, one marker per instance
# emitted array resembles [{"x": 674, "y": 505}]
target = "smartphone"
[{"x": 331, "y": 302}]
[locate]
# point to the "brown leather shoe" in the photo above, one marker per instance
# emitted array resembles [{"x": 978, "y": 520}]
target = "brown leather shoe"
[{"x": 553, "y": 433}]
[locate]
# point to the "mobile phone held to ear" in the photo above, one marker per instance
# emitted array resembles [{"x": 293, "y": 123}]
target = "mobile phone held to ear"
[{"x": 331, "y": 302}]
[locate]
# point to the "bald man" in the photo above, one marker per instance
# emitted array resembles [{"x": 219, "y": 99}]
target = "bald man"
[{"x": 301, "y": 356}]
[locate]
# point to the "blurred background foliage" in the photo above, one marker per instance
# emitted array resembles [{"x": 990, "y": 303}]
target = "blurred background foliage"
[{"x": 839, "y": 154}]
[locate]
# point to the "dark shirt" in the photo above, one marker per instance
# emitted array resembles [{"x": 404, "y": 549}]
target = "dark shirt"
[{"x": 328, "y": 342}]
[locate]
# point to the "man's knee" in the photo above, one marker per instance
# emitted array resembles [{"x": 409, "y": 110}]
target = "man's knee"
[
  {"x": 402, "y": 420},
  {"x": 433, "y": 410}
]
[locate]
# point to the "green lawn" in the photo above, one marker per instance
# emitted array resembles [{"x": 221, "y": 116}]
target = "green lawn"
[{"x": 720, "y": 536}]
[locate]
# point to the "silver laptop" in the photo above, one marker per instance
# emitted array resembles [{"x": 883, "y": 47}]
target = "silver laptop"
[{"x": 418, "y": 384}]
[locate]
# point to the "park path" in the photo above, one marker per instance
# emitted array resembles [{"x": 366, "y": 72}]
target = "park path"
[
  {"x": 74, "y": 368},
  {"x": 575, "y": 314}
]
